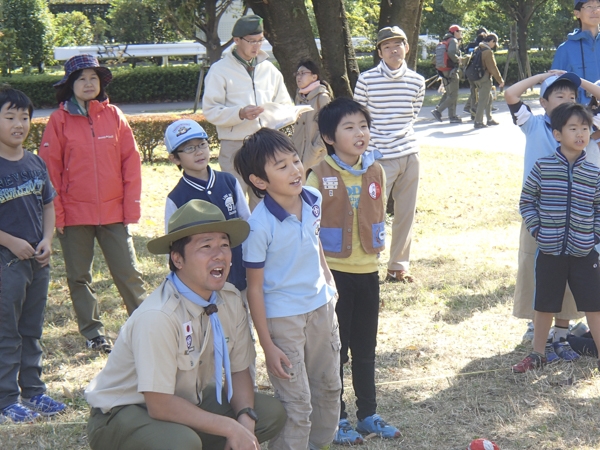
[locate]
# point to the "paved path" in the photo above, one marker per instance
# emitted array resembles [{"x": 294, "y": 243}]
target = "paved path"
[{"x": 505, "y": 137}]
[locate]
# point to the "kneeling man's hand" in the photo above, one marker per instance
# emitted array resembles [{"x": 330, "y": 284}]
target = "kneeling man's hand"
[{"x": 240, "y": 438}]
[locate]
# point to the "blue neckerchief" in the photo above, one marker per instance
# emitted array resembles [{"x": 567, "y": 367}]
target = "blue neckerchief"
[
  {"x": 219, "y": 341},
  {"x": 368, "y": 158}
]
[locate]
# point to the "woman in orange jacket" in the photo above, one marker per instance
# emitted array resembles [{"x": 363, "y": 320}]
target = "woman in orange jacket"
[{"x": 94, "y": 164}]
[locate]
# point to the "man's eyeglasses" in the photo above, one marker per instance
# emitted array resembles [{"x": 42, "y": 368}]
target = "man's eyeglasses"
[
  {"x": 591, "y": 7},
  {"x": 193, "y": 148},
  {"x": 301, "y": 74},
  {"x": 255, "y": 43}
]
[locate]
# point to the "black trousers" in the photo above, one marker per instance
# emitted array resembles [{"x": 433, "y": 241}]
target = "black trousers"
[{"x": 358, "y": 314}]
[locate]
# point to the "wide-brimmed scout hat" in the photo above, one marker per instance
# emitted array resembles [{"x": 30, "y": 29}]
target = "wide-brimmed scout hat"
[
  {"x": 387, "y": 33},
  {"x": 80, "y": 62},
  {"x": 572, "y": 77},
  {"x": 247, "y": 25},
  {"x": 182, "y": 131},
  {"x": 195, "y": 217}
]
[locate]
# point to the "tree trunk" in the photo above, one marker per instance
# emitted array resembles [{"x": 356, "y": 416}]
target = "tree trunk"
[
  {"x": 407, "y": 15},
  {"x": 522, "y": 43},
  {"x": 336, "y": 46},
  {"x": 288, "y": 30},
  {"x": 350, "y": 54}
]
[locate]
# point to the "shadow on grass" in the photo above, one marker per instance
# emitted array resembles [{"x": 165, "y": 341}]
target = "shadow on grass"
[
  {"x": 456, "y": 291},
  {"x": 536, "y": 410},
  {"x": 463, "y": 306}
]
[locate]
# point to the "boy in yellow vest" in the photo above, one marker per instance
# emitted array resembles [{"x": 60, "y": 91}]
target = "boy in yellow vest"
[{"x": 353, "y": 234}]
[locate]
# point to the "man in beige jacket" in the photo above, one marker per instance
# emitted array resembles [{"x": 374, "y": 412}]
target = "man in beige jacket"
[{"x": 235, "y": 89}]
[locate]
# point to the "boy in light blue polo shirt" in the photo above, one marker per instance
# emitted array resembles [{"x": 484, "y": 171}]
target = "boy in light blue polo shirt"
[{"x": 291, "y": 292}]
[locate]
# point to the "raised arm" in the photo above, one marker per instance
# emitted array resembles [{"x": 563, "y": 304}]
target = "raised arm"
[{"x": 513, "y": 94}]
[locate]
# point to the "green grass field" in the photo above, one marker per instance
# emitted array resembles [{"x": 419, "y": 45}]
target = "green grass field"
[{"x": 446, "y": 342}]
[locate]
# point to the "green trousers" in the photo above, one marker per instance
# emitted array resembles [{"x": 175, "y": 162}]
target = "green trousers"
[
  {"x": 77, "y": 243},
  {"x": 131, "y": 428}
]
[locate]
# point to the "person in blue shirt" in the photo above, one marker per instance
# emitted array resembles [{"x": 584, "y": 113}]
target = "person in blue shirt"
[
  {"x": 580, "y": 53},
  {"x": 291, "y": 291}
]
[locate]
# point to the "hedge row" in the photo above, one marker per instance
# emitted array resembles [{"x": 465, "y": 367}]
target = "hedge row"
[
  {"x": 149, "y": 131},
  {"x": 177, "y": 83},
  {"x": 142, "y": 84}
]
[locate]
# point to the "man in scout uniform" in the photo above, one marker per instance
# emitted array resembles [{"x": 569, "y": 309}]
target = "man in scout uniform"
[{"x": 162, "y": 386}]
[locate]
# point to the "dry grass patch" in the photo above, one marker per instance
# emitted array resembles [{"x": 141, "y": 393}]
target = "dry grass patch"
[{"x": 446, "y": 342}]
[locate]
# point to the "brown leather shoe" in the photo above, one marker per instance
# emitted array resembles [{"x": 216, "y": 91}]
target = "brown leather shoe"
[{"x": 401, "y": 276}]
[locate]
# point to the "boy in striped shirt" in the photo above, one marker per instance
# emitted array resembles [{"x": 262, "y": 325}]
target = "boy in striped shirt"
[{"x": 560, "y": 205}]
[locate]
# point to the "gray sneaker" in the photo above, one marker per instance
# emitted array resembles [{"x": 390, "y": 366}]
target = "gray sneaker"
[
  {"x": 438, "y": 115},
  {"x": 100, "y": 344},
  {"x": 580, "y": 329},
  {"x": 528, "y": 336}
]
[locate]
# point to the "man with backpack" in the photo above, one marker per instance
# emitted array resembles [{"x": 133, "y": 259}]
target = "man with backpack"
[
  {"x": 484, "y": 85},
  {"x": 447, "y": 61}
]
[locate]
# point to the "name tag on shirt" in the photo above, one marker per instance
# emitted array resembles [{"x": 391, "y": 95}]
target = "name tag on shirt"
[{"x": 330, "y": 183}]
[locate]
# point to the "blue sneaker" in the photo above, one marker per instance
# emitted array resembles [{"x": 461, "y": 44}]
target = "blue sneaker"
[
  {"x": 551, "y": 356},
  {"x": 564, "y": 351},
  {"x": 346, "y": 435},
  {"x": 44, "y": 405},
  {"x": 375, "y": 424},
  {"x": 18, "y": 414}
]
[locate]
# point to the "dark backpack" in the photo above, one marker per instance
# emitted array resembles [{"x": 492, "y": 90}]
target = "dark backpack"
[
  {"x": 442, "y": 60},
  {"x": 475, "y": 70}
]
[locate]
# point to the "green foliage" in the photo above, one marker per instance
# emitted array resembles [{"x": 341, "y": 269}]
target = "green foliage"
[
  {"x": 72, "y": 29},
  {"x": 9, "y": 54},
  {"x": 435, "y": 19},
  {"x": 32, "y": 22},
  {"x": 149, "y": 131},
  {"x": 153, "y": 84},
  {"x": 143, "y": 84},
  {"x": 551, "y": 24},
  {"x": 547, "y": 28},
  {"x": 137, "y": 22},
  {"x": 99, "y": 30},
  {"x": 363, "y": 17}
]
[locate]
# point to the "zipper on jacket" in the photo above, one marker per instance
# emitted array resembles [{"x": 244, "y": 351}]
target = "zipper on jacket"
[
  {"x": 568, "y": 217},
  {"x": 95, "y": 166},
  {"x": 91, "y": 125}
]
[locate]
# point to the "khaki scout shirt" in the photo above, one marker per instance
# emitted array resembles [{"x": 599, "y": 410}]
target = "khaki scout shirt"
[{"x": 154, "y": 354}]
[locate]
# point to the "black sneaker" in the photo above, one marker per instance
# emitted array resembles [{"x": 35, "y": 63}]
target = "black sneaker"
[
  {"x": 99, "y": 343},
  {"x": 455, "y": 119},
  {"x": 480, "y": 125},
  {"x": 438, "y": 115}
]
